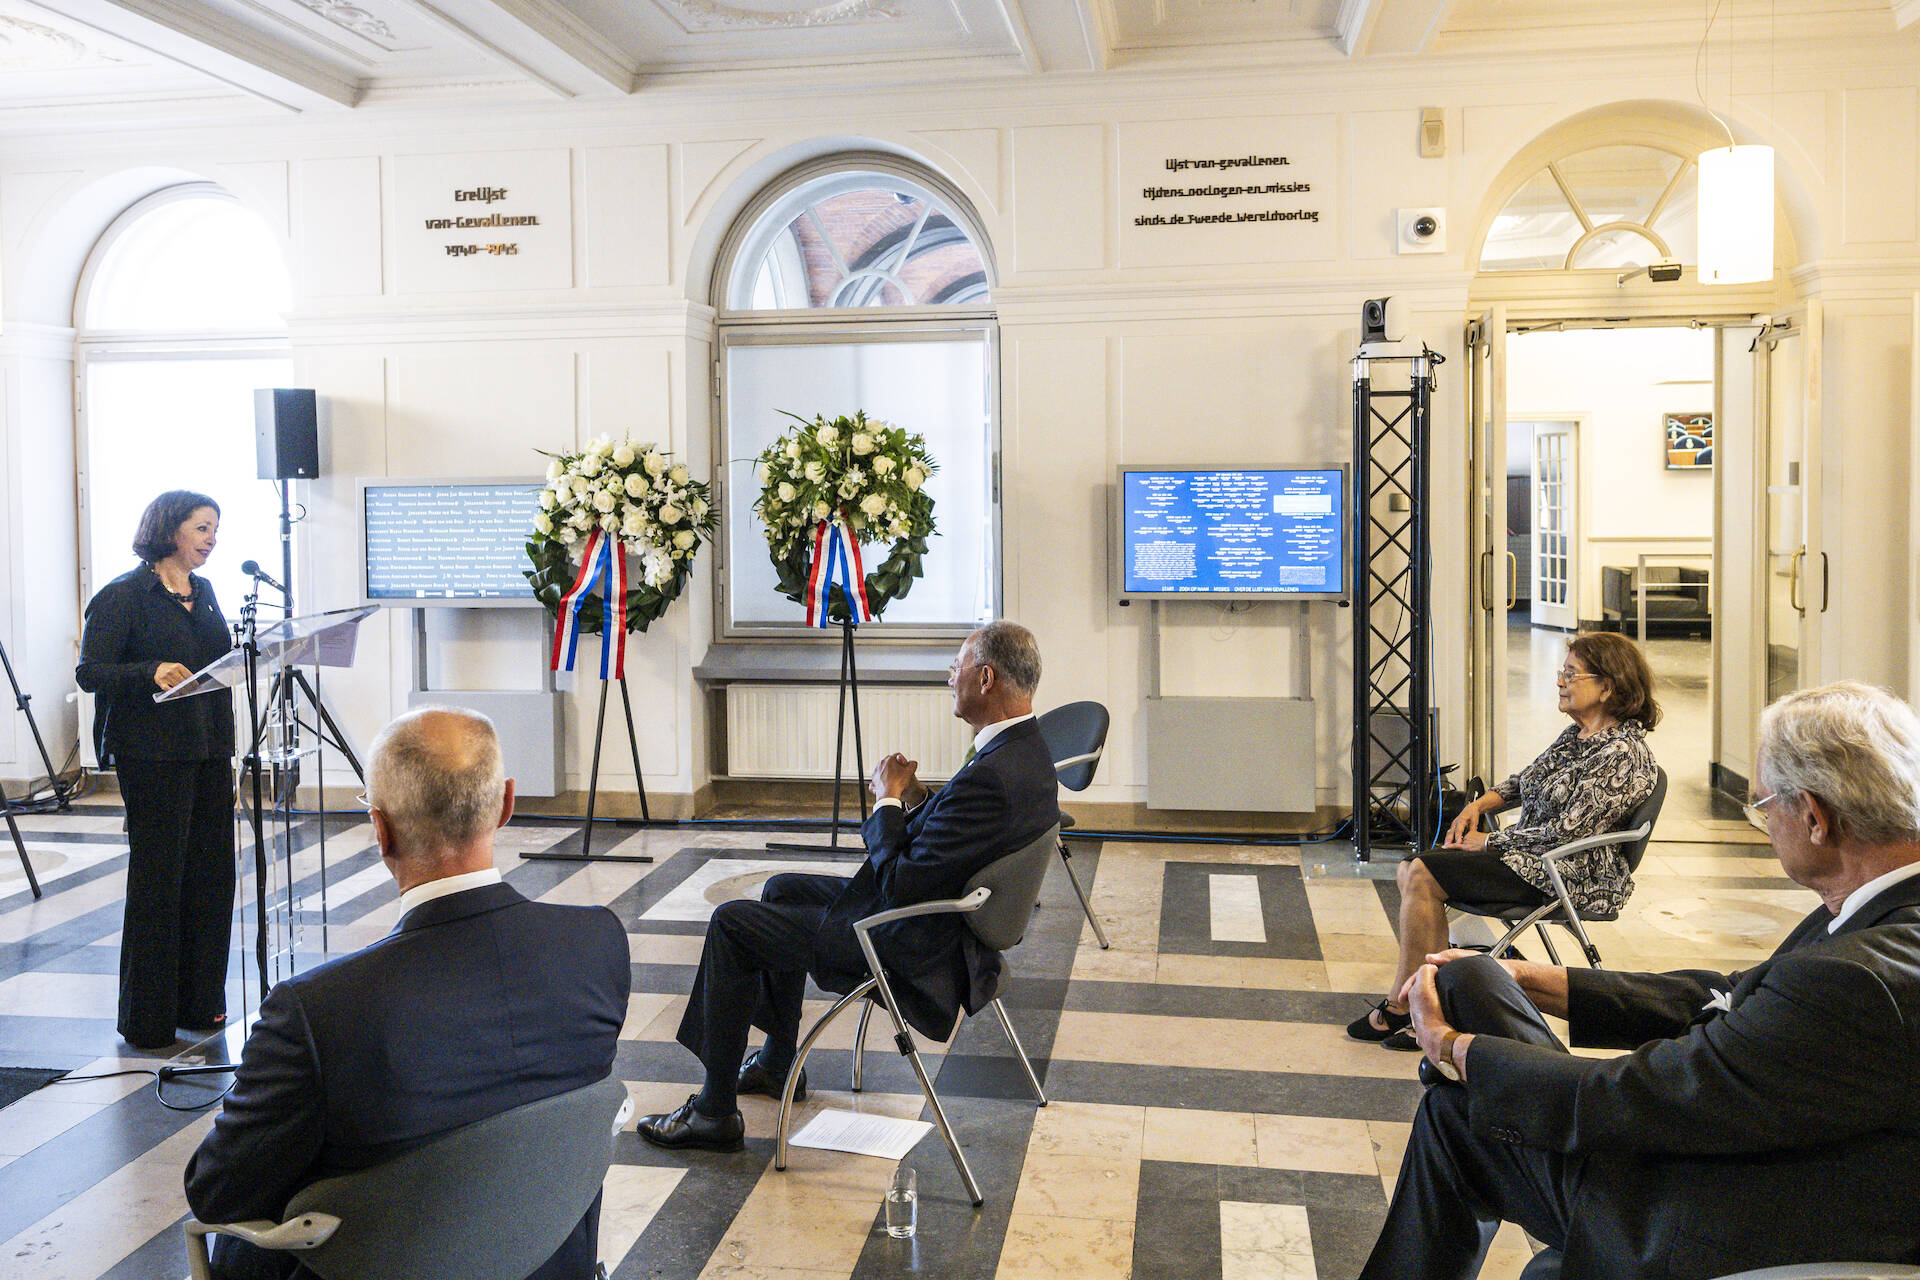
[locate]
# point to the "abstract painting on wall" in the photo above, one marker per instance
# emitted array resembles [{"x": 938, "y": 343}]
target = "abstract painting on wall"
[{"x": 1689, "y": 441}]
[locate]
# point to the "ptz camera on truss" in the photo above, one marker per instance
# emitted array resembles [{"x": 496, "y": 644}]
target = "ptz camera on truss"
[{"x": 1383, "y": 328}]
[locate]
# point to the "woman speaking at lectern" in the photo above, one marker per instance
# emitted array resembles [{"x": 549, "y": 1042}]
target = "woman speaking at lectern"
[{"x": 146, "y": 631}]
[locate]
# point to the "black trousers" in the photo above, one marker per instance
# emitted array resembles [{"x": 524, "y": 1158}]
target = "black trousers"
[
  {"x": 180, "y": 882},
  {"x": 1455, "y": 1186},
  {"x": 753, "y": 972}
]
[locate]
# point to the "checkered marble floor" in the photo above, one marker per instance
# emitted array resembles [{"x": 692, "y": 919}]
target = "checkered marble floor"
[{"x": 1209, "y": 1118}]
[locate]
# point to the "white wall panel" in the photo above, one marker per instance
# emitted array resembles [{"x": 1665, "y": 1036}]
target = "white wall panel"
[
  {"x": 1383, "y": 157},
  {"x": 626, "y": 222},
  {"x": 336, "y": 243},
  {"x": 481, "y": 408},
  {"x": 1881, "y": 165},
  {"x": 1060, "y": 211}
]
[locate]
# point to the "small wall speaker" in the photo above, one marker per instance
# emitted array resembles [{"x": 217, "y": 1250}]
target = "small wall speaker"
[{"x": 286, "y": 433}]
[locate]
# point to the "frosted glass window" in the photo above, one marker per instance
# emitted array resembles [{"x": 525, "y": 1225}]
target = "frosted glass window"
[
  {"x": 935, "y": 386},
  {"x": 154, "y": 425},
  {"x": 857, "y": 239},
  {"x": 196, "y": 263},
  {"x": 1606, "y": 207}
]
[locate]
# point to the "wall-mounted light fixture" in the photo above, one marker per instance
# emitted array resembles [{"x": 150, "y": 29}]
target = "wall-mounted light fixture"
[{"x": 1736, "y": 215}]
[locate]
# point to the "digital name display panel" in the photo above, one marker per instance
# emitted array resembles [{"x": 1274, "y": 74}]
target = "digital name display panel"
[
  {"x": 1257, "y": 533},
  {"x": 431, "y": 542}
]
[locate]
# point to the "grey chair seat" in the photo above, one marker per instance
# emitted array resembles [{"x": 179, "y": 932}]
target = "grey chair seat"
[{"x": 491, "y": 1200}]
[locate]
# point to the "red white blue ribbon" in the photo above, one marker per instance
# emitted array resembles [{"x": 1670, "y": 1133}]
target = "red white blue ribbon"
[
  {"x": 836, "y": 559},
  {"x": 603, "y": 564}
]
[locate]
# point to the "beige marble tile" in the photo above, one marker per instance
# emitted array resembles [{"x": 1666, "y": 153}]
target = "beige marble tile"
[
  {"x": 104, "y": 1223},
  {"x": 1389, "y": 1138},
  {"x": 1087, "y": 1129},
  {"x": 665, "y": 948},
  {"x": 38, "y": 1118},
  {"x": 59, "y": 908},
  {"x": 1268, "y": 973},
  {"x": 1242, "y": 972},
  {"x": 1090, "y": 964},
  {"x": 630, "y": 1198},
  {"x": 1067, "y": 1186},
  {"x": 1044, "y": 1248},
  {"x": 749, "y": 1271},
  {"x": 1269, "y": 1229},
  {"x": 643, "y": 1008},
  {"x": 779, "y": 1228},
  {"x": 1226, "y": 1043},
  {"x": 598, "y": 883},
  {"x": 61, "y": 995},
  {"x": 1361, "y": 977},
  {"x": 1321, "y": 1144},
  {"x": 1200, "y": 1137},
  {"x": 1348, "y": 906}
]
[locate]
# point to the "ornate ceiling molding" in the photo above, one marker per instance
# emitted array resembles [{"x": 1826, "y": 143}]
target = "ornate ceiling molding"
[
  {"x": 31, "y": 46},
  {"x": 341, "y": 13},
  {"x": 717, "y": 14}
]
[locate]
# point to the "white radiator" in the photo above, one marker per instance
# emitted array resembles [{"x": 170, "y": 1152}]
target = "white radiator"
[{"x": 786, "y": 731}]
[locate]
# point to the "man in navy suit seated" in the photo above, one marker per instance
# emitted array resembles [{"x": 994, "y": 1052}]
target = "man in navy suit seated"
[
  {"x": 477, "y": 1002},
  {"x": 919, "y": 848},
  {"x": 1763, "y": 1118}
]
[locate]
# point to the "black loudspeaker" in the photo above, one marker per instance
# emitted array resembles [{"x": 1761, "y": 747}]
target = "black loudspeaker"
[{"x": 286, "y": 433}]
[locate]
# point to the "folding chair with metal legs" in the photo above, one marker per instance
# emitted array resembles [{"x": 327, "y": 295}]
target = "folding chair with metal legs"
[{"x": 1016, "y": 878}]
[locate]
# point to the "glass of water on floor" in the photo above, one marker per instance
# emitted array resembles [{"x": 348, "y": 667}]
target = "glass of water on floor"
[{"x": 903, "y": 1204}]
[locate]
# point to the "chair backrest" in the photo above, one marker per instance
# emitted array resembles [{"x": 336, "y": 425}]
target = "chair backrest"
[
  {"x": 1076, "y": 732},
  {"x": 1015, "y": 883},
  {"x": 1648, "y": 813},
  {"x": 489, "y": 1201}
]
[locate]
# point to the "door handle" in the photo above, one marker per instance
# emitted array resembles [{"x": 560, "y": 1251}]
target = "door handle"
[
  {"x": 1823, "y": 582},
  {"x": 1793, "y": 582},
  {"x": 1513, "y": 580},
  {"x": 1486, "y": 581}
]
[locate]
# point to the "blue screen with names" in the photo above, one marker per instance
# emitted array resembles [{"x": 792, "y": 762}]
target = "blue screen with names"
[{"x": 1227, "y": 533}]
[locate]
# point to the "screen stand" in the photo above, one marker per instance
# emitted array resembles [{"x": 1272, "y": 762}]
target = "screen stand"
[{"x": 849, "y": 696}]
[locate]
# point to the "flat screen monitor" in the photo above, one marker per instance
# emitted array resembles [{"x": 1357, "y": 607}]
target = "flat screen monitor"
[
  {"x": 458, "y": 542},
  {"x": 1231, "y": 533}
]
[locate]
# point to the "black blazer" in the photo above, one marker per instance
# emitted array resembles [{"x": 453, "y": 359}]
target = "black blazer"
[
  {"x": 1766, "y": 1117},
  {"x": 1003, "y": 798},
  {"x": 133, "y": 626},
  {"x": 478, "y": 1002}
]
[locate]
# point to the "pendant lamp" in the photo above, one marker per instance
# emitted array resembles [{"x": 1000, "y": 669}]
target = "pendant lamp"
[{"x": 1736, "y": 215}]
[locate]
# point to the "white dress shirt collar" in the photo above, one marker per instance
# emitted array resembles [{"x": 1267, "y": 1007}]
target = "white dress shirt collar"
[
  {"x": 994, "y": 730},
  {"x": 447, "y": 885},
  {"x": 1870, "y": 890}
]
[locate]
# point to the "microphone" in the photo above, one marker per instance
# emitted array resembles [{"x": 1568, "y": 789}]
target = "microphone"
[{"x": 252, "y": 569}]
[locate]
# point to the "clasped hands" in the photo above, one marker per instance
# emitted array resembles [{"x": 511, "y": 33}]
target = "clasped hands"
[
  {"x": 894, "y": 779},
  {"x": 1421, "y": 995},
  {"x": 1464, "y": 832}
]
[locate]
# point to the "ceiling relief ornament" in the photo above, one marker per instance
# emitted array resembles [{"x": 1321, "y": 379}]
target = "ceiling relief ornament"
[
  {"x": 350, "y": 16},
  {"x": 31, "y": 46},
  {"x": 717, "y": 14}
]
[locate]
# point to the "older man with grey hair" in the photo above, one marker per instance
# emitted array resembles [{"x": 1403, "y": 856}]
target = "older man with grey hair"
[
  {"x": 920, "y": 847},
  {"x": 477, "y": 1002},
  {"x": 1762, "y": 1118}
]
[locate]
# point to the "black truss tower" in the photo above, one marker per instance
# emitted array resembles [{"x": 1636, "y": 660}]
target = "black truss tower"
[{"x": 1394, "y": 784}]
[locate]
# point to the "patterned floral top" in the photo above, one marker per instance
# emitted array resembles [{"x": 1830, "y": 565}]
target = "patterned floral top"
[{"x": 1578, "y": 787}]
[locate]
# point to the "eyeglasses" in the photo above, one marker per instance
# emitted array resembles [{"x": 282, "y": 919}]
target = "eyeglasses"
[
  {"x": 1752, "y": 809},
  {"x": 1567, "y": 675}
]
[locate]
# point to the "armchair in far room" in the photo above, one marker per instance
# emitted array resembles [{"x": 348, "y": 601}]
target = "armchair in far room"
[{"x": 1076, "y": 734}]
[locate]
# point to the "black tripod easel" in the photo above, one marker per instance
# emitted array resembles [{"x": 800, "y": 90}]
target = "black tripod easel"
[
  {"x": 62, "y": 793},
  {"x": 586, "y": 853},
  {"x": 849, "y": 696}
]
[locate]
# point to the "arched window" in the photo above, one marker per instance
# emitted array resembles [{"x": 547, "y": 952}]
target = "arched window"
[
  {"x": 862, "y": 283},
  {"x": 1607, "y": 207},
  {"x": 181, "y": 314}
]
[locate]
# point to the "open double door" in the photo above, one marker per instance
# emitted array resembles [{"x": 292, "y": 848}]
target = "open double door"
[{"x": 1767, "y": 522}]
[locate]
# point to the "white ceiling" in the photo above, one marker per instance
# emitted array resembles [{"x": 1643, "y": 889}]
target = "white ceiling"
[{"x": 330, "y": 56}]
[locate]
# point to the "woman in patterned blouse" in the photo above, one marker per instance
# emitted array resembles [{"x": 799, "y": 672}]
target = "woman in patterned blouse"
[{"x": 1587, "y": 782}]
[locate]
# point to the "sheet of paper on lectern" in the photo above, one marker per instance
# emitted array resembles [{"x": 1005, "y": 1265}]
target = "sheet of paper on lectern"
[{"x": 863, "y": 1135}]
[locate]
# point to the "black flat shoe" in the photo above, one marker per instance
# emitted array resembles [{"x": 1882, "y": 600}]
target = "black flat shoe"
[
  {"x": 685, "y": 1127},
  {"x": 1402, "y": 1040},
  {"x": 756, "y": 1078},
  {"x": 1362, "y": 1028},
  {"x": 206, "y": 1026}
]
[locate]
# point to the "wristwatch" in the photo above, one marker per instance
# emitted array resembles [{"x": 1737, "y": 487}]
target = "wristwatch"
[{"x": 1445, "y": 1065}]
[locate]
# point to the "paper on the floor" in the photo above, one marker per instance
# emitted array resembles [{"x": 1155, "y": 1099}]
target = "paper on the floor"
[{"x": 863, "y": 1135}]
